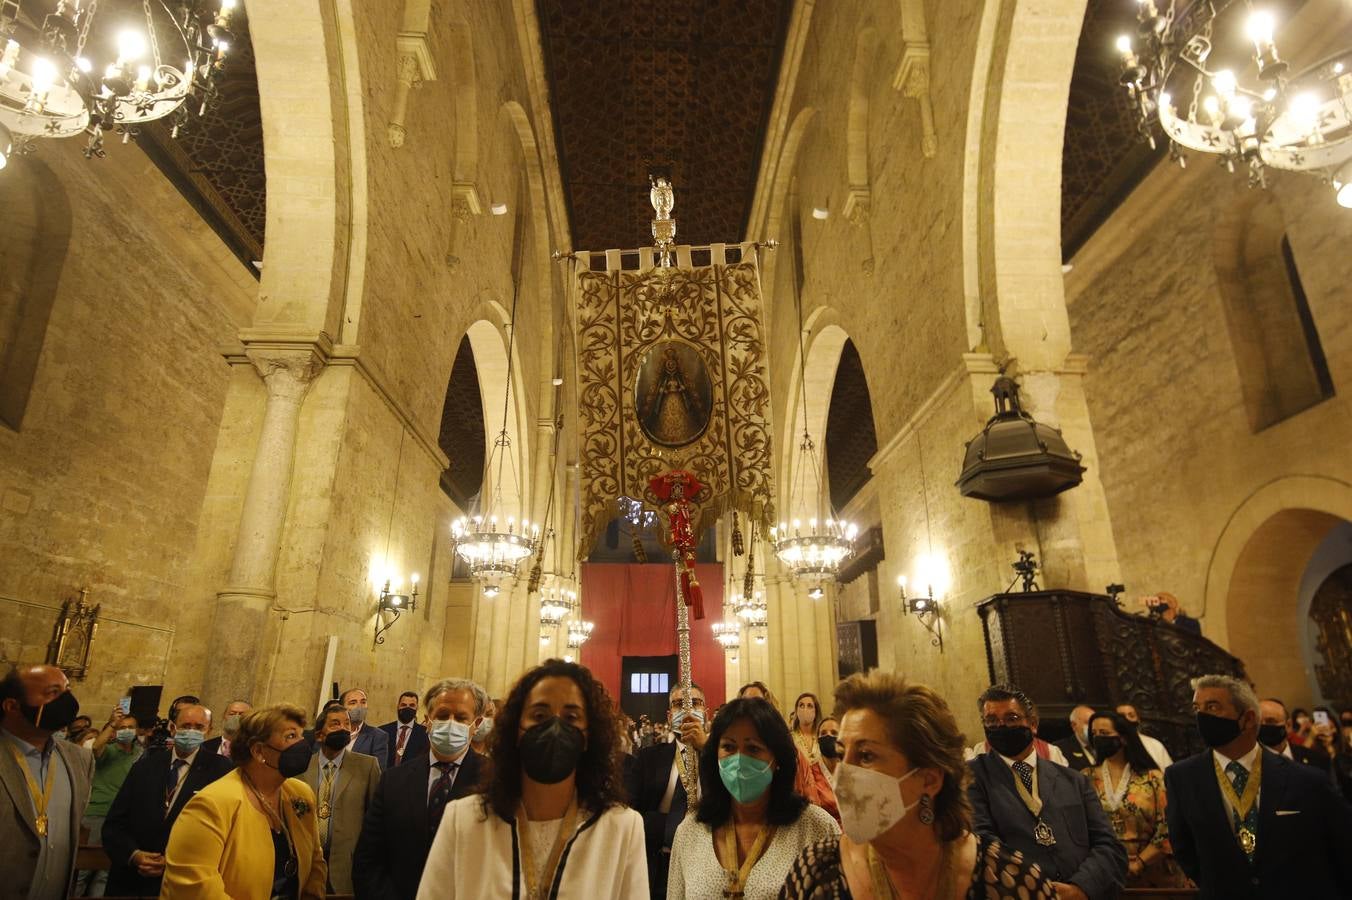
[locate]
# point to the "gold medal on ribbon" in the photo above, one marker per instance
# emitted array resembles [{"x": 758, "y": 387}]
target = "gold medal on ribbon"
[
  {"x": 1042, "y": 833},
  {"x": 324, "y": 811},
  {"x": 1248, "y": 841},
  {"x": 41, "y": 824}
]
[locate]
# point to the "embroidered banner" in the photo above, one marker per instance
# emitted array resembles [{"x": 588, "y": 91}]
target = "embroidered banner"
[{"x": 671, "y": 375}]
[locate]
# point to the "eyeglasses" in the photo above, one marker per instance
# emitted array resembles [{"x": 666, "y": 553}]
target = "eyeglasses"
[{"x": 1013, "y": 720}]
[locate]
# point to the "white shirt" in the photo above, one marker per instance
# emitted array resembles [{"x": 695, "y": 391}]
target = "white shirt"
[
  {"x": 696, "y": 873},
  {"x": 1246, "y": 761},
  {"x": 472, "y": 859},
  {"x": 670, "y": 793},
  {"x": 1158, "y": 752},
  {"x": 1286, "y": 751},
  {"x": 182, "y": 771},
  {"x": 434, "y": 774}
]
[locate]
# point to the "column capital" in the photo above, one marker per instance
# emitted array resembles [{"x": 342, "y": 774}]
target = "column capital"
[{"x": 299, "y": 357}]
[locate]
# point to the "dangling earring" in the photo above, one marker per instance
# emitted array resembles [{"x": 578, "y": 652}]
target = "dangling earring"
[{"x": 926, "y": 814}]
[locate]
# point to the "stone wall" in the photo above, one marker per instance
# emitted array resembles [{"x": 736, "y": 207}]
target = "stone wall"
[
  {"x": 104, "y": 480},
  {"x": 1181, "y": 462}
]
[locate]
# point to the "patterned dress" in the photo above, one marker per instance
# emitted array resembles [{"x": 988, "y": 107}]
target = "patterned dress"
[
  {"x": 999, "y": 874},
  {"x": 1139, "y": 820}
]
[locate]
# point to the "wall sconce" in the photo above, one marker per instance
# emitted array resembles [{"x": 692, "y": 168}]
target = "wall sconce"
[
  {"x": 925, "y": 608},
  {"x": 396, "y": 604}
]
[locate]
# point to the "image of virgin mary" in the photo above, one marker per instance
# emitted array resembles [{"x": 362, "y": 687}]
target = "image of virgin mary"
[{"x": 671, "y": 408}]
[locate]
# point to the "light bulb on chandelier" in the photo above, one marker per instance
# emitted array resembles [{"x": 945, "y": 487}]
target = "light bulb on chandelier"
[
  {"x": 46, "y": 86},
  {"x": 1297, "y": 123}
]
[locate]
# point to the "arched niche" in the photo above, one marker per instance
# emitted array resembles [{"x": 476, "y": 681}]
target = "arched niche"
[
  {"x": 1252, "y": 597},
  {"x": 34, "y": 236},
  {"x": 463, "y": 434},
  {"x": 1282, "y": 369},
  {"x": 850, "y": 439}
]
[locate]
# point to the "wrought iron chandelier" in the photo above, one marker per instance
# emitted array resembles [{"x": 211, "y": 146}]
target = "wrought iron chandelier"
[
  {"x": 556, "y": 604},
  {"x": 1182, "y": 69},
  {"x": 753, "y": 610},
  {"x": 91, "y": 67},
  {"x": 578, "y": 633},
  {"x": 812, "y": 555},
  {"x": 728, "y": 633},
  {"x": 493, "y": 552}
]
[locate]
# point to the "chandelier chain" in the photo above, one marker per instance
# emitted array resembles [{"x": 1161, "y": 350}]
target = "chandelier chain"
[
  {"x": 150, "y": 33},
  {"x": 86, "y": 20}
]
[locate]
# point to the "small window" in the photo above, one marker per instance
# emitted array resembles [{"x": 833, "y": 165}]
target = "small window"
[{"x": 649, "y": 683}]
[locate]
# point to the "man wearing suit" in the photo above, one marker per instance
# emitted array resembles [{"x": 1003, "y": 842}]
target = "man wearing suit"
[
  {"x": 155, "y": 792},
  {"x": 344, "y": 782},
  {"x": 406, "y": 737},
  {"x": 1076, "y": 749},
  {"x": 1273, "y": 828},
  {"x": 365, "y": 739},
  {"x": 655, "y": 787},
  {"x": 234, "y": 711},
  {"x": 403, "y": 818},
  {"x": 1048, "y": 812},
  {"x": 45, "y": 783},
  {"x": 1274, "y": 725}
]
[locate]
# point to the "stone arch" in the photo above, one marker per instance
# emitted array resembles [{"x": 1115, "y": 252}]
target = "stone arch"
[
  {"x": 784, "y": 173},
  {"x": 1012, "y": 193},
  {"x": 316, "y": 190},
  {"x": 35, "y": 234},
  {"x": 811, "y": 379},
  {"x": 857, "y": 125},
  {"x": 488, "y": 340},
  {"x": 1253, "y": 579},
  {"x": 519, "y": 121}
]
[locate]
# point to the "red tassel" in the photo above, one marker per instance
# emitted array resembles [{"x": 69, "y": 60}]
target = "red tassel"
[{"x": 694, "y": 595}]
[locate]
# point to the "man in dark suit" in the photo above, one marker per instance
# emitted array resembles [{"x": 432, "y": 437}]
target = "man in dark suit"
[
  {"x": 1047, "y": 812},
  {"x": 402, "y": 820},
  {"x": 1273, "y": 828},
  {"x": 1079, "y": 754},
  {"x": 146, "y": 807},
  {"x": 366, "y": 739},
  {"x": 406, "y": 737},
  {"x": 655, "y": 787},
  {"x": 235, "y": 710},
  {"x": 1274, "y": 726}
]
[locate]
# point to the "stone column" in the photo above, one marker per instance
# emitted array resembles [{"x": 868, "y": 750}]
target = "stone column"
[{"x": 240, "y": 621}]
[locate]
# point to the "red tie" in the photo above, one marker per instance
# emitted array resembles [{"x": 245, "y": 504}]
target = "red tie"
[{"x": 399, "y": 745}]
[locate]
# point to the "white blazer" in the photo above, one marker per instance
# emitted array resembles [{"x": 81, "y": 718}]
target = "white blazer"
[{"x": 475, "y": 858}]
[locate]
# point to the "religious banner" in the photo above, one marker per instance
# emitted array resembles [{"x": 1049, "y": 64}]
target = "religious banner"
[{"x": 672, "y": 376}]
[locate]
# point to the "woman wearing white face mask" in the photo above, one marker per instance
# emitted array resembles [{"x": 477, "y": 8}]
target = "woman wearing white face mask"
[{"x": 904, "y": 808}]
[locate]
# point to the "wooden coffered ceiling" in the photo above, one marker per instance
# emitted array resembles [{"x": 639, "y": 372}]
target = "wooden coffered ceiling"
[{"x": 643, "y": 86}]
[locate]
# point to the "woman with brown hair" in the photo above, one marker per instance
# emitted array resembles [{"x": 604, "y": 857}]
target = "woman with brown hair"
[
  {"x": 807, "y": 712},
  {"x": 252, "y": 834},
  {"x": 904, "y": 808},
  {"x": 550, "y": 821}
]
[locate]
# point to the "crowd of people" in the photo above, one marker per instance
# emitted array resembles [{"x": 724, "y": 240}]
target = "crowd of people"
[{"x": 551, "y": 792}]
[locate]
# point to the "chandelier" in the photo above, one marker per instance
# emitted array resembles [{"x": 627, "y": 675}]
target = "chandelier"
[
  {"x": 493, "y": 553},
  {"x": 752, "y": 609},
  {"x": 578, "y": 633},
  {"x": 85, "y": 66},
  {"x": 729, "y": 637},
  {"x": 1181, "y": 70},
  {"x": 556, "y": 604}
]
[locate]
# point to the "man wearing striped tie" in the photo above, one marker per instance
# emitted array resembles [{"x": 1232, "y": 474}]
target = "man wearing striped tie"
[{"x": 345, "y": 783}]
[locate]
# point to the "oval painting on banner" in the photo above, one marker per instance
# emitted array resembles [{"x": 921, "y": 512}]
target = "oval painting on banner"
[{"x": 673, "y": 396}]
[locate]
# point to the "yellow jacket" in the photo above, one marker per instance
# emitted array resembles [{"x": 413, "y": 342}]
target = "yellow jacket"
[{"x": 221, "y": 845}]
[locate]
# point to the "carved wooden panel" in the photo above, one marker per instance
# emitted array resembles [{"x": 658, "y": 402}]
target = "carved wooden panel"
[{"x": 1064, "y": 648}]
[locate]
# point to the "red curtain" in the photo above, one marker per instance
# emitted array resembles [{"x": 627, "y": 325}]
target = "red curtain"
[{"x": 633, "y": 608}]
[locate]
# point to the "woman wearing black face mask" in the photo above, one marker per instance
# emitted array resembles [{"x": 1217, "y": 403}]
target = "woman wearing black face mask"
[
  {"x": 1131, "y": 788},
  {"x": 252, "y": 834},
  {"x": 550, "y": 821}
]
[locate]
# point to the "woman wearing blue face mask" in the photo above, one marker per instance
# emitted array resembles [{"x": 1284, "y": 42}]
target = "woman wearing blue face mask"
[
  {"x": 904, "y": 808},
  {"x": 750, "y": 825}
]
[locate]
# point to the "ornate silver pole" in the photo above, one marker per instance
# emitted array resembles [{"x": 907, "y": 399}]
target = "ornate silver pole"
[{"x": 688, "y": 775}]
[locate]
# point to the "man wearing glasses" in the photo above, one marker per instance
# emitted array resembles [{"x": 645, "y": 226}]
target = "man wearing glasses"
[{"x": 1046, "y": 811}]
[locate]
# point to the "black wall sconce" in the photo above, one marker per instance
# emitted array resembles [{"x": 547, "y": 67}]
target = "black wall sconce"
[
  {"x": 926, "y": 609},
  {"x": 391, "y": 606}
]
